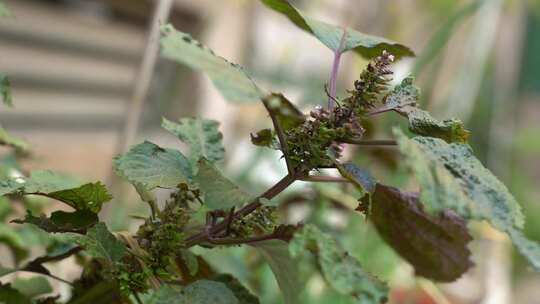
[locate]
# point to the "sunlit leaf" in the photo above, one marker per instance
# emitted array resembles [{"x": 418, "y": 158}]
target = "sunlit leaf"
[
  {"x": 276, "y": 254},
  {"x": 71, "y": 191},
  {"x": 451, "y": 177},
  {"x": 436, "y": 246},
  {"x": 151, "y": 166},
  {"x": 202, "y": 136},
  {"x": 342, "y": 272},
  {"x": 330, "y": 35},
  {"x": 229, "y": 78},
  {"x": 99, "y": 242},
  {"x": 61, "y": 221},
  {"x": 219, "y": 192}
]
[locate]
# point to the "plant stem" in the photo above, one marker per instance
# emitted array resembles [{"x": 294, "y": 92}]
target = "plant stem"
[
  {"x": 375, "y": 142},
  {"x": 281, "y": 136},
  {"x": 334, "y": 74},
  {"x": 239, "y": 241},
  {"x": 324, "y": 179},
  {"x": 247, "y": 209}
]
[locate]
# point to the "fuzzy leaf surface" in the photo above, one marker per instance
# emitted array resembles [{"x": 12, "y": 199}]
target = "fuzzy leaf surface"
[
  {"x": 150, "y": 166},
  {"x": 367, "y": 46},
  {"x": 451, "y": 177},
  {"x": 276, "y": 254},
  {"x": 61, "y": 221},
  {"x": 404, "y": 99},
  {"x": 450, "y": 130},
  {"x": 202, "y": 136},
  {"x": 436, "y": 246},
  {"x": 219, "y": 192},
  {"x": 99, "y": 242},
  {"x": 229, "y": 78},
  {"x": 340, "y": 270},
  {"x": 199, "y": 292},
  {"x": 358, "y": 176}
]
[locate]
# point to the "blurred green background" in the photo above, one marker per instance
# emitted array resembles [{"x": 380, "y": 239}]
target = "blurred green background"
[{"x": 73, "y": 66}]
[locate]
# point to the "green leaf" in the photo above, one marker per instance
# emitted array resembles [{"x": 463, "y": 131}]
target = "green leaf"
[
  {"x": 276, "y": 253},
  {"x": 5, "y": 271},
  {"x": 241, "y": 293},
  {"x": 436, "y": 246},
  {"x": 200, "y": 292},
  {"x": 330, "y": 35},
  {"x": 342, "y": 272},
  {"x": 360, "y": 177},
  {"x": 9, "y": 295},
  {"x": 403, "y": 96},
  {"x": 99, "y": 242},
  {"x": 5, "y": 86},
  {"x": 451, "y": 177},
  {"x": 450, "y": 130},
  {"x": 202, "y": 136},
  {"x": 61, "y": 221},
  {"x": 263, "y": 138},
  {"x": 79, "y": 195},
  {"x": 404, "y": 99},
  {"x": 7, "y": 140},
  {"x": 219, "y": 192},
  {"x": 14, "y": 240},
  {"x": 32, "y": 287},
  {"x": 151, "y": 166},
  {"x": 229, "y": 78},
  {"x": 287, "y": 114},
  {"x": 10, "y": 186},
  {"x": 5, "y": 208}
]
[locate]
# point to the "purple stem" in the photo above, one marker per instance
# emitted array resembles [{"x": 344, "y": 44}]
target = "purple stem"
[{"x": 335, "y": 69}]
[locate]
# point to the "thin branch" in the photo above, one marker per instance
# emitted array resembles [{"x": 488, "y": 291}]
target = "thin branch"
[
  {"x": 330, "y": 96},
  {"x": 324, "y": 179},
  {"x": 50, "y": 275},
  {"x": 281, "y": 136},
  {"x": 335, "y": 69},
  {"x": 398, "y": 108},
  {"x": 252, "y": 206},
  {"x": 239, "y": 241},
  {"x": 375, "y": 142}
]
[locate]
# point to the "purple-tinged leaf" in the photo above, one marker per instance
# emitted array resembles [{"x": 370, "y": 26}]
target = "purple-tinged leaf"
[{"x": 436, "y": 246}]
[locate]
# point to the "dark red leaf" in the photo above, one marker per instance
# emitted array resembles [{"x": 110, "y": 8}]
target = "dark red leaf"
[{"x": 436, "y": 246}]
